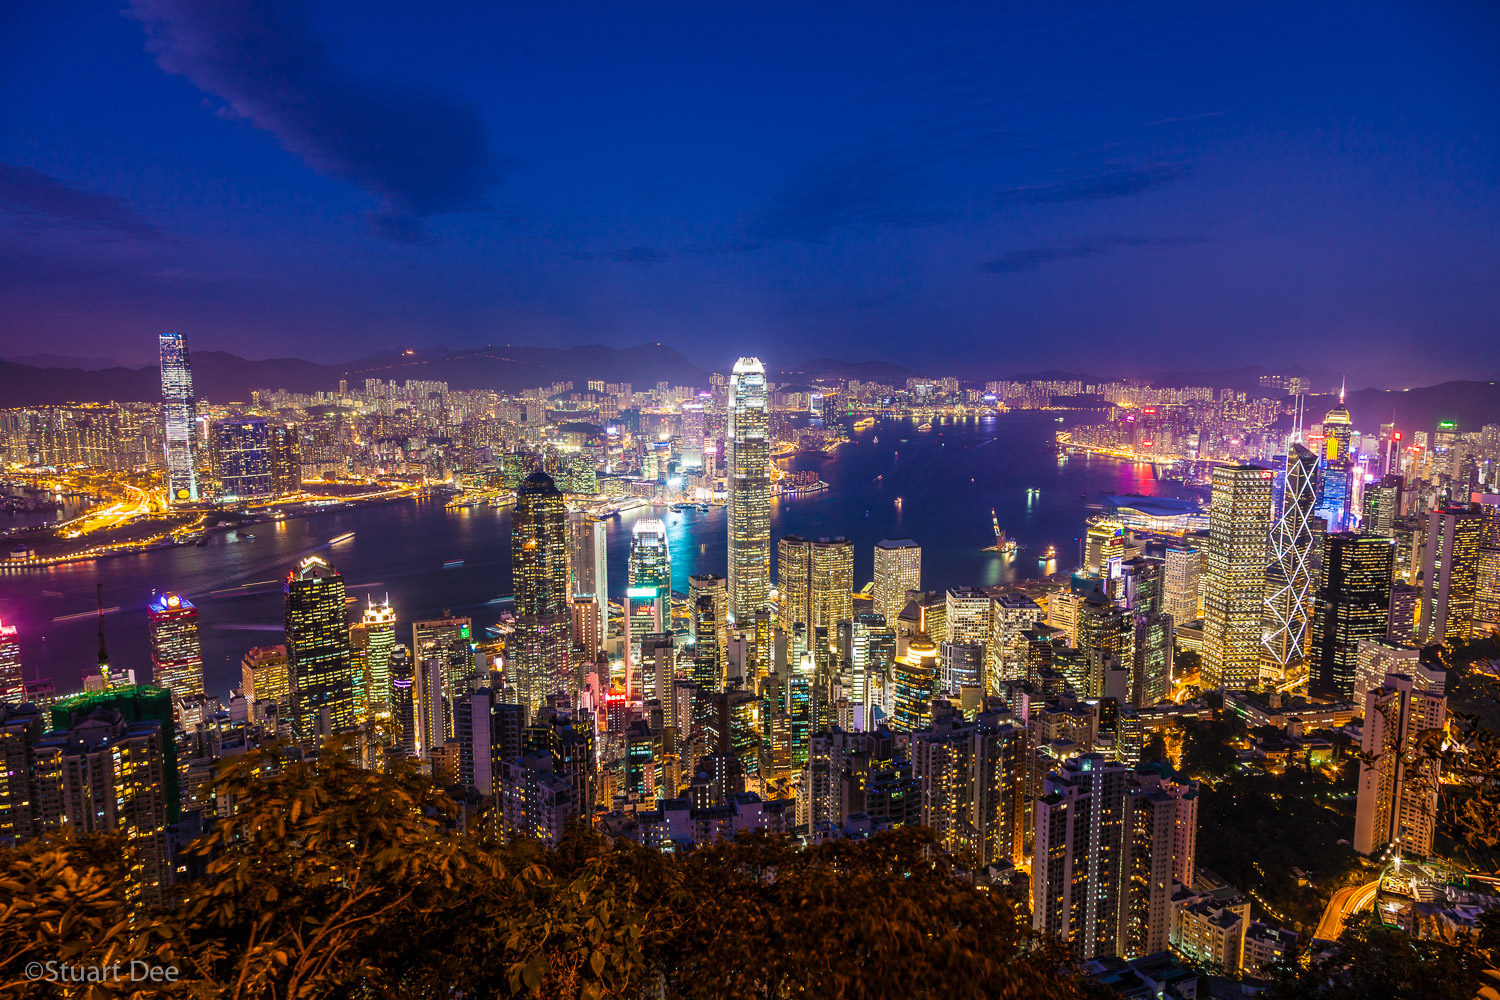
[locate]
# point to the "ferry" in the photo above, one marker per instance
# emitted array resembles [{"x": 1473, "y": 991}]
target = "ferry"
[
  {"x": 1050, "y": 554},
  {"x": 925, "y": 427},
  {"x": 865, "y": 424},
  {"x": 341, "y": 538},
  {"x": 453, "y": 564}
]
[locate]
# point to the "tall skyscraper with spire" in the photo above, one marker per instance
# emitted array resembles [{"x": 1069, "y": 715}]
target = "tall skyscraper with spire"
[
  {"x": 1289, "y": 578},
  {"x": 1338, "y": 468},
  {"x": 540, "y": 645},
  {"x": 178, "y": 414},
  {"x": 748, "y": 443}
]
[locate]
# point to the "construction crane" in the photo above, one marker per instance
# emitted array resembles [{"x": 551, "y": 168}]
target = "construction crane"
[{"x": 1004, "y": 546}]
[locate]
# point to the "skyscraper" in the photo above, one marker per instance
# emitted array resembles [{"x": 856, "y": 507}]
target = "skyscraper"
[
  {"x": 1290, "y": 578},
  {"x": 588, "y": 566},
  {"x": 12, "y": 681},
  {"x": 371, "y": 639},
  {"x": 1234, "y": 599},
  {"x": 178, "y": 414},
  {"x": 1352, "y": 602},
  {"x": 176, "y": 654},
  {"x": 241, "y": 452},
  {"x": 538, "y": 662},
  {"x": 1398, "y": 787},
  {"x": 286, "y": 459},
  {"x": 815, "y": 582},
  {"x": 450, "y": 641},
  {"x": 317, "y": 645},
  {"x": 712, "y": 586},
  {"x": 1079, "y": 851},
  {"x": 1450, "y": 570},
  {"x": 748, "y": 443},
  {"x": 898, "y": 568},
  {"x": 1338, "y": 468}
]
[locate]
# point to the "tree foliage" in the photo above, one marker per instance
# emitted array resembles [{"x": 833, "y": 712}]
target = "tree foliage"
[
  {"x": 1371, "y": 960},
  {"x": 329, "y": 881}
]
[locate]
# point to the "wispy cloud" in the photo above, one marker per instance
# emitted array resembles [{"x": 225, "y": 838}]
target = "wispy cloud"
[
  {"x": 1032, "y": 258},
  {"x": 624, "y": 255},
  {"x": 40, "y": 200},
  {"x": 420, "y": 151},
  {"x": 1098, "y": 185}
]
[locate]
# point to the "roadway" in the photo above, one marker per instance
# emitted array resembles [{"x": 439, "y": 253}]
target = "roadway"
[{"x": 1344, "y": 904}]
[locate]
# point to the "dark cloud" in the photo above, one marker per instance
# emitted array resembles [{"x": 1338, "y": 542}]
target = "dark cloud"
[
  {"x": 422, "y": 152},
  {"x": 40, "y": 200},
  {"x": 1031, "y": 258},
  {"x": 867, "y": 190},
  {"x": 625, "y": 255},
  {"x": 1099, "y": 185}
]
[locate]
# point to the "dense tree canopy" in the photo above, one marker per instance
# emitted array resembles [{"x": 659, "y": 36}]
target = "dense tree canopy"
[{"x": 332, "y": 881}]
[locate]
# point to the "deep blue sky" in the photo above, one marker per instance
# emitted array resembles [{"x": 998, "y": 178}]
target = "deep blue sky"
[{"x": 1141, "y": 186}]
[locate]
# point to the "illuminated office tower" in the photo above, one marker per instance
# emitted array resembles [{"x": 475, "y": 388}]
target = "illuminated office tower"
[
  {"x": 1352, "y": 602},
  {"x": 1398, "y": 785},
  {"x": 960, "y": 666},
  {"x": 317, "y": 647},
  {"x": 712, "y": 586},
  {"x": 648, "y": 595},
  {"x": 708, "y": 662},
  {"x": 450, "y": 641},
  {"x": 1234, "y": 592},
  {"x": 1381, "y": 506},
  {"x": 1290, "y": 578},
  {"x": 1450, "y": 571},
  {"x": 1487, "y": 576},
  {"x": 241, "y": 451},
  {"x": 178, "y": 415},
  {"x": 692, "y": 436},
  {"x": 1338, "y": 432},
  {"x": 286, "y": 459},
  {"x": 176, "y": 654},
  {"x": 539, "y": 656},
  {"x": 12, "y": 681},
  {"x": 588, "y": 568},
  {"x": 1182, "y": 594},
  {"x": 913, "y": 684},
  {"x": 403, "y": 699},
  {"x": 432, "y": 711},
  {"x": 1079, "y": 852},
  {"x": 898, "y": 568},
  {"x": 748, "y": 471},
  {"x": 371, "y": 640},
  {"x": 815, "y": 582},
  {"x": 264, "y": 676},
  {"x": 1337, "y": 467}
]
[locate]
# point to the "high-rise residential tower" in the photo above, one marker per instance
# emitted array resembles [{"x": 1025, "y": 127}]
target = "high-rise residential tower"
[
  {"x": 178, "y": 414},
  {"x": 1290, "y": 578},
  {"x": 1234, "y": 593},
  {"x": 176, "y": 653},
  {"x": 898, "y": 568},
  {"x": 317, "y": 647},
  {"x": 1398, "y": 786},
  {"x": 748, "y": 471},
  {"x": 538, "y": 660}
]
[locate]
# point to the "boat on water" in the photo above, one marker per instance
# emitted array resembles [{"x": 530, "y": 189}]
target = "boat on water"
[
  {"x": 453, "y": 564},
  {"x": 1049, "y": 555},
  {"x": 864, "y": 424},
  {"x": 341, "y": 538},
  {"x": 925, "y": 427}
]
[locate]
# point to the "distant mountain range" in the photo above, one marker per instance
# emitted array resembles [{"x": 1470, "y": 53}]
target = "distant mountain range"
[{"x": 226, "y": 378}]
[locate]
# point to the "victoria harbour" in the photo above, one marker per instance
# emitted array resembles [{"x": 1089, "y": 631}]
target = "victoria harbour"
[{"x": 937, "y": 486}]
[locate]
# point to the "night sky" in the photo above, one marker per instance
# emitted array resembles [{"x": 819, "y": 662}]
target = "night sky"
[{"x": 1132, "y": 188}]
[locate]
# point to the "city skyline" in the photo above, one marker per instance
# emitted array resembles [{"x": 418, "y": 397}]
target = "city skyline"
[{"x": 989, "y": 186}]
